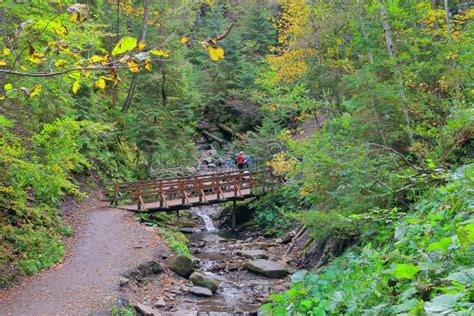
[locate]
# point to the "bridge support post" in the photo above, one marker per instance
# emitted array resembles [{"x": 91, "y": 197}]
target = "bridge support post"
[
  {"x": 177, "y": 217},
  {"x": 234, "y": 220}
]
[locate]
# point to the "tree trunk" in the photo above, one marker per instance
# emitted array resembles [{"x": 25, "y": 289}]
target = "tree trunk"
[
  {"x": 3, "y": 34},
  {"x": 117, "y": 38},
  {"x": 133, "y": 83},
  {"x": 446, "y": 17},
  {"x": 389, "y": 43}
]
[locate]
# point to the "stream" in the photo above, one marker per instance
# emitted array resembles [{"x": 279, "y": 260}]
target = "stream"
[{"x": 240, "y": 292}]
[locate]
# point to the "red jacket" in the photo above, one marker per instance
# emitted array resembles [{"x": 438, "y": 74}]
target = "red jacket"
[{"x": 240, "y": 158}]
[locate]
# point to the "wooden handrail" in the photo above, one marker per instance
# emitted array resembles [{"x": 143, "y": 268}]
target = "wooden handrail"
[{"x": 187, "y": 190}]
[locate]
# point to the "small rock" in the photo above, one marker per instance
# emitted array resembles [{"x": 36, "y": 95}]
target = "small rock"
[
  {"x": 160, "y": 303},
  {"x": 146, "y": 310},
  {"x": 182, "y": 265},
  {"x": 267, "y": 268},
  {"x": 165, "y": 254},
  {"x": 187, "y": 230},
  {"x": 123, "y": 281},
  {"x": 253, "y": 254},
  {"x": 201, "y": 291},
  {"x": 202, "y": 280},
  {"x": 207, "y": 160},
  {"x": 144, "y": 270},
  {"x": 212, "y": 152}
]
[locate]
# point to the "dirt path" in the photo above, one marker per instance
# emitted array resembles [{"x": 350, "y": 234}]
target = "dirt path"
[{"x": 110, "y": 243}]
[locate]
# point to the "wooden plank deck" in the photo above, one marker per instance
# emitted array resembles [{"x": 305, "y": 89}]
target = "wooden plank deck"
[{"x": 177, "y": 204}]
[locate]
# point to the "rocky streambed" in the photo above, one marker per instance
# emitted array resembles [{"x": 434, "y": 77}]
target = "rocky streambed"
[{"x": 229, "y": 273}]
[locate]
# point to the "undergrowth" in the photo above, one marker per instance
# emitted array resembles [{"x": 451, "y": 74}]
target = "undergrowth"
[
  {"x": 420, "y": 264},
  {"x": 35, "y": 174}
]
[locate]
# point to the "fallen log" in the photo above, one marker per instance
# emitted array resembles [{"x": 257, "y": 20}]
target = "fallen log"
[
  {"x": 213, "y": 137},
  {"x": 229, "y": 130}
]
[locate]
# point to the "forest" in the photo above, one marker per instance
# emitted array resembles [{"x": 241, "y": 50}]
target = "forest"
[{"x": 363, "y": 109}]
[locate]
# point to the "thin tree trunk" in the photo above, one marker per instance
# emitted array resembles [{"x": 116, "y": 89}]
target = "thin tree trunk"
[
  {"x": 389, "y": 43},
  {"x": 117, "y": 38},
  {"x": 446, "y": 17},
  {"x": 133, "y": 83},
  {"x": 3, "y": 34}
]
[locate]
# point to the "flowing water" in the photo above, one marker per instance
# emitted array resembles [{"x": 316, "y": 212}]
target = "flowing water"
[{"x": 240, "y": 292}]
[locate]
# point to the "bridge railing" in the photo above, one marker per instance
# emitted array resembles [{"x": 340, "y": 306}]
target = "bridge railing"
[{"x": 190, "y": 189}]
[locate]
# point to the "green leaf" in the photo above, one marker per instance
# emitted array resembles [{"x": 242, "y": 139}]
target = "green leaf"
[
  {"x": 465, "y": 277},
  {"x": 405, "y": 306},
  {"x": 405, "y": 271},
  {"x": 443, "y": 304},
  {"x": 442, "y": 245},
  {"x": 125, "y": 44},
  {"x": 466, "y": 235},
  {"x": 5, "y": 122},
  {"x": 13, "y": 93}
]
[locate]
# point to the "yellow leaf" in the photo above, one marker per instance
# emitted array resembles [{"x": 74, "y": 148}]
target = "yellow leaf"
[
  {"x": 150, "y": 22},
  {"x": 74, "y": 16},
  {"x": 97, "y": 58},
  {"x": 184, "y": 40},
  {"x": 140, "y": 46},
  {"x": 86, "y": 73},
  {"x": 3, "y": 63},
  {"x": 60, "y": 63},
  {"x": 7, "y": 87},
  {"x": 100, "y": 84},
  {"x": 76, "y": 86},
  {"x": 36, "y": 90},
  {"x": 6, "y": 51},
  {"x": 215, "y": 53},
  {"x": 60, "y": 30},
  {"x": 158, "y": 25},
  {"x": 160, "y": 52},
  {"x": 147, "y": 64},
  {"x": 133, "y": 66},
  {"x": 36, "y": 58},
  {"x": 2, "y": 97},
  {"x": 23, "y": 68}
]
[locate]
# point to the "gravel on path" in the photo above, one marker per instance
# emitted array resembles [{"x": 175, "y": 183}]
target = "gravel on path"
[{"x": 110, "y": 243}]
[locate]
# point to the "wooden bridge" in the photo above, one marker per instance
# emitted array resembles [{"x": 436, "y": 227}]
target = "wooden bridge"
[{"x": 174, "y": 194}]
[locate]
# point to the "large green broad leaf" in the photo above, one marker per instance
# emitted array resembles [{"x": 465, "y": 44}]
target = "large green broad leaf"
[
  {"x": 405, "y": 271},
  {"x": 443, "y": 304},
  {"x": 125, "y": 44}
]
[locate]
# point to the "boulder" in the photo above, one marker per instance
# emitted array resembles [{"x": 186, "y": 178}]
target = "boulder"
[
  {"x": 202, "y": 280},
  {"x": 220, "y": 162},
  {"x": 267, "y": 268},
  {"x": 201, "y": 291},
  {"x": 212, "y": 238},
  {"x": 160, "y": 303},
  {"x": 253, "y": 254},
  {"x": 180, "y": 264},
  {"x": 212, "y": 152},
  {"x": 207, "y": 160}
]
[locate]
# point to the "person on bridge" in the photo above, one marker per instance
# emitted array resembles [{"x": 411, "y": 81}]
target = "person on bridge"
[{"x": 240, "y": 160}]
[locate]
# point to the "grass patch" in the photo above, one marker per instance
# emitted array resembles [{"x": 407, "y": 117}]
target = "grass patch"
[{"x": 176, "y": 240}]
